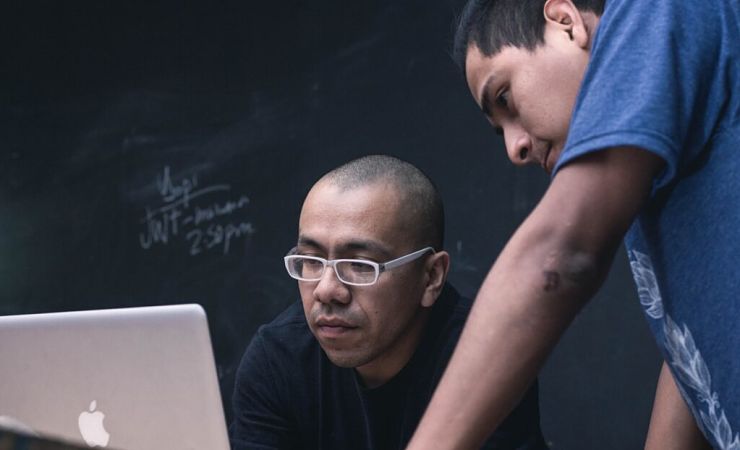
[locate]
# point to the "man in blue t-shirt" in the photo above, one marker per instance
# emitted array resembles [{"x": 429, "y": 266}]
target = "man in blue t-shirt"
[{"x": 633, "y": 107}]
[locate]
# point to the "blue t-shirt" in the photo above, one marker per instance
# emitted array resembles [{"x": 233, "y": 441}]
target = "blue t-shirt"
[{"x": 664, "y": 76}]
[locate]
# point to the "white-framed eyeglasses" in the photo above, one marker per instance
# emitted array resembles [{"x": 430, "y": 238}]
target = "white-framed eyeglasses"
[{"x": 355, "y": 272}]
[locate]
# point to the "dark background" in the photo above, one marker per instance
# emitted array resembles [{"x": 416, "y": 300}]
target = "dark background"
[{"x": 155, "y": 153}]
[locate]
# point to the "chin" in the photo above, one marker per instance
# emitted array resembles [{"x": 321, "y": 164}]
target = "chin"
[{"x": 348, "y": 360}]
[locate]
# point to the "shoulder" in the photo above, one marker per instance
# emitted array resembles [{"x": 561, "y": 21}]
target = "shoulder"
[
  {"x": 445, "y": 325},
  {"x": 667, "y": 13},
  {"x": 452, "y": 309},
  {"x": 291, "y": 323},
  {"x": 668, "y": 69},
  {"x": 283, "y": 343},
  {"x": 273, "y": 384}
]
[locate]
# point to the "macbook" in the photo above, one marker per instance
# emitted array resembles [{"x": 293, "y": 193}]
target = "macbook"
[{"x": 133, "y": 378}]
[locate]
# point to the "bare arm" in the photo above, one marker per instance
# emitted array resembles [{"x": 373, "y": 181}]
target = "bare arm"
[
  {"x": 672, "y": 425},
  {"x": 549, "y": 269}
]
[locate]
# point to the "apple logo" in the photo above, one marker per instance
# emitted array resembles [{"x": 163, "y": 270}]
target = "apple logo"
[{"x": 91, "y": 427}]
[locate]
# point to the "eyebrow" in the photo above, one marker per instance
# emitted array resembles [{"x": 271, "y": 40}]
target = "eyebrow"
[
  {"x": 359, "y": 244},
  {"x": 485, "y": 97},
  {"x": 308, "y": 242}
]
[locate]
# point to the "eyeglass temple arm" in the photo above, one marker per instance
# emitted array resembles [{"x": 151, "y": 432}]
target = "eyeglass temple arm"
[{"x": 404, "y": 259}]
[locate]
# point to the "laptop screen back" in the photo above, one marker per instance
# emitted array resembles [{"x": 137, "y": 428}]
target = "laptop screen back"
[{"x": 134, "y": 378}]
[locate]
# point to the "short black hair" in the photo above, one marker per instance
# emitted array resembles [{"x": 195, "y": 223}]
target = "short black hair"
[
  {"x": 494, "y": 24},
  {"x": 420, "y": 196}
]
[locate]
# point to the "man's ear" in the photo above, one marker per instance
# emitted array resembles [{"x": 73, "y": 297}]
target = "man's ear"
[
  {"x": 436, "y": 268},
  {"x": 564, "y": 16}
]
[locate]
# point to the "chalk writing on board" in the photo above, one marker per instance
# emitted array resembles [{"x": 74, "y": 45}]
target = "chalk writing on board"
[{"x": 206, "y": 218}]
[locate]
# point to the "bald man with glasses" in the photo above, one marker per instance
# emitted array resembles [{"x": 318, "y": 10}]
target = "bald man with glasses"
[{"x": 355, "y": 362}]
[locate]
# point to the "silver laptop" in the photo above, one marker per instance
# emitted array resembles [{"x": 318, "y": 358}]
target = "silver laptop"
[{"x": 133, "y": 378}]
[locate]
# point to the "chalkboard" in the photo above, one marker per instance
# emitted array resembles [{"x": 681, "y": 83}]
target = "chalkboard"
[{"x": 155, "y": 153}]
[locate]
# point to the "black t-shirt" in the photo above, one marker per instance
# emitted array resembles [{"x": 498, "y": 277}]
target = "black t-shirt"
[{"x": 289, "y": 395}]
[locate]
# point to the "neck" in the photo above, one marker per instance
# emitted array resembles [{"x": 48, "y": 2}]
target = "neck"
[
  {"x": 591, "y": 22},
  {"x": 386, "y": 366}
]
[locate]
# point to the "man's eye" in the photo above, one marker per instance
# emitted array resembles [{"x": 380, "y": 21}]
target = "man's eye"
[
  {"x": 358, "y": 266},
  {"x": 502, "y": 99}
]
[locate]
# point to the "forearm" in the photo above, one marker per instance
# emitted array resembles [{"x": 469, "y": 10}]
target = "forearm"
[
  {"x": 546, "y": 273},
  {"x": 518, "y": 316},
  {"x": 671, "y": 424}
]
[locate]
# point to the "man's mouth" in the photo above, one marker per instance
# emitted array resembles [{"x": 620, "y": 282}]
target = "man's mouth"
[{"x": 333, "y": 327}]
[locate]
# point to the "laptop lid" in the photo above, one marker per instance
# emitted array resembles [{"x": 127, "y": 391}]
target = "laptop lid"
[
  {"x": 133, "y": 378},
  {"x": 10, "y": 439}
]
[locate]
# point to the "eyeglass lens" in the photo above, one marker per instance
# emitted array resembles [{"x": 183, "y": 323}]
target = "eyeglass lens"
[{"x": 349, "y": 271}]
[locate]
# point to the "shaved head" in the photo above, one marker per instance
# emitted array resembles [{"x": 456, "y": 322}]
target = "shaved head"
[{"x": 420, "y": 200}]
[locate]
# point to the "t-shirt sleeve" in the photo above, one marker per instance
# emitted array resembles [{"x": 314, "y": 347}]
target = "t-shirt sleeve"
[
  {"x": 261, "y": 415},
  {"x": 651, "y": 83}
]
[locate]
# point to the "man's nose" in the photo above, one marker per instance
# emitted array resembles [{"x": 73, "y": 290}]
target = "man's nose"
[
  {"x": 518, "y": 146},
  {"x": 329, "y": 289}
]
